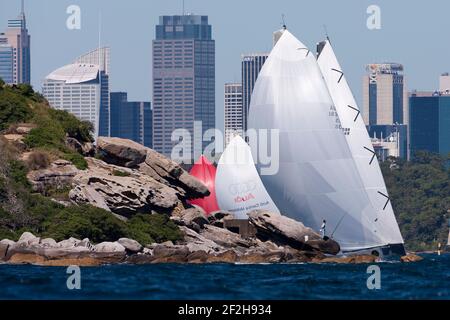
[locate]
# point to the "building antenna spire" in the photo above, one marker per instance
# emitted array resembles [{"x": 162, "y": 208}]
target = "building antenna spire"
[
  {"x": 183, "y": 7},
  {"x": 99, "y": 29},
  {"x": 283, "y": 21},
  {"x": 326, "y": 32},
  {"x": 22, "y": 7}
]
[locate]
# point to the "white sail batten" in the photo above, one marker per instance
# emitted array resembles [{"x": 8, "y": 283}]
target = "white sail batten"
[
  {"x": 239, "y": 188},
  {"x": 318, "y": 177},
  {"x": 360, "y": 145}
]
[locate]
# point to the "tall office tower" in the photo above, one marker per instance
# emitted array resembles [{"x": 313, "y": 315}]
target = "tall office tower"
[
  {"x": 430, "y": 122},
  {"x": 131, "y": 120},
  {"x": 6, "y": 63},
  {"x": 183, "y": 82},
  {"x": 385, "y": 98},
  {"x": 233, "y": 111},
  {"x": 75, "y": 88},
  {"x": 251, "y": 64},
  {"x": 17, "y": 40},
  {"x": 101, "y": 57}
]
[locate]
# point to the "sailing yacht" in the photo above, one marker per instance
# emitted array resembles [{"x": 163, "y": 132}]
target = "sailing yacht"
[
  {"x": 239, "y": 188},
  {"x": 327, "y": 167},
  {"x": 205, "y": 171}
]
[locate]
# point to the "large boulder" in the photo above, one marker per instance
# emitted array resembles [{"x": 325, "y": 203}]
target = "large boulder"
[
  {"x": 124, "y": 195},
  {"x": 286, "y": 231},
  {"x": 28, "y": 239},
  {"x": 122, "y": 152},
  {"x": 226, "y": 238},
  {"x": 217, "y": 218},
  {"x": 108, "y": 247},
  {"x": 58, "y": 175},
  {"x": 86, "y": 149},
  {"x": 170, "y": 254},
  {"x": 197, "y": 242},
  {"x": 194, "y": 218},
  {"x": 163, "y": 168},
  {"x": 3, "y": 250},
  {"x": 131, "y": 246}
]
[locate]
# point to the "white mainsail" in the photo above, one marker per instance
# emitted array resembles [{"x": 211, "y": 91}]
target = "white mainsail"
[
  {"x": 238, "y": 186},
  {"x": 318, "y": 177},
  {"x": 360, "y": 146}
]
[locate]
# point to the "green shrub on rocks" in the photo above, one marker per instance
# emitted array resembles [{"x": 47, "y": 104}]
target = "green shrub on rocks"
[{"x": 148, "y": 229}]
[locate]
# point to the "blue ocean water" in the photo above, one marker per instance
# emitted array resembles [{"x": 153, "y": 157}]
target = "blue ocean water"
[{"x": 428, "y": 279}]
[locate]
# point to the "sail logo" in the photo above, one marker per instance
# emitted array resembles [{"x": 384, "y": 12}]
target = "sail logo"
[
  {"x": 245, "y": 198},
  {"x": 240, "y": 188},
  {"x": 242, "y": 192}
]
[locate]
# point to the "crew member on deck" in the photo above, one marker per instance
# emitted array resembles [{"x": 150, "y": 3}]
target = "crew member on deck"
[{"x": 323, "y": 228}]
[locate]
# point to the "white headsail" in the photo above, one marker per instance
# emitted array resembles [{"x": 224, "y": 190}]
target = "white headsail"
[
  {"x": 238, "y": 186},
  {"x": 318, "y": 177},
  {"x": 360, "y": 146}
]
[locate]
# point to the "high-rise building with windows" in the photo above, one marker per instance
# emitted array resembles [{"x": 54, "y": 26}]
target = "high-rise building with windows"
[
  {"x": 430, "y": 122},
  {"x": 15, "y": 66},
  {"x": 6, "y": 63},
  {"x": 131, "y": 120},
  {"x": 251, "y": 64},
  {"x": 75, "y": 88},
  {"x": 233, "y": 111},
  {"x": 183, "y": 81},
  {"x": 101, "y": 57},
  {"x": 385, "y": 98}
]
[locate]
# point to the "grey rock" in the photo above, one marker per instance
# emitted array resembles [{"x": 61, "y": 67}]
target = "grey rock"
[
  {"x": 108, "y": 247},
  {"x": 7, "y": 242},
  {"x": 121, "y": 152},
  {"x": 286, "y": 231},
  {"x": 170, "y": 171},
  {"x": 28, "y": 239},
  {"x": 58, "y": 176},
  {"x": 226, "y": 238},
  {"x": 217, "y": 218},
  {"x": 86, "y": 149},
  {"x": 123, "y": 195},
  {"x": 196, "y": 242},
  {"x": 3, "y": 250},
  {"x": 49, "y": 243},
  {"x": 130, "y": 245},
  {"x": 194, "y": 218},
  {"x": 68, "y": 243}
]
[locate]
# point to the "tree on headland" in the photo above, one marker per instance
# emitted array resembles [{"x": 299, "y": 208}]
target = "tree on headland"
[{"x": 420, "y": 193}]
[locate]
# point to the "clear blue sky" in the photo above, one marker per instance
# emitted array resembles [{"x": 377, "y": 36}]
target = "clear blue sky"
[{"x": 414, "y": 33}]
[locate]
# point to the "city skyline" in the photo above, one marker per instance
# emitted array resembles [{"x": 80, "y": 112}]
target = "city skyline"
[{"x": 394, "y": 42}]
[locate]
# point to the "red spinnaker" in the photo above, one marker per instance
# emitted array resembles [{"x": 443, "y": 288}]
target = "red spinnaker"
[{"x": 206, "y": 173}]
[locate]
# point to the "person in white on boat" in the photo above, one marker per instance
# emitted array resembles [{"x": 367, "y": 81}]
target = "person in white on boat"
[{"x": 323, "y": 228}]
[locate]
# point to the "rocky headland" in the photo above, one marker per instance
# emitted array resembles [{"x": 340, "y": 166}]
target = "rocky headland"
[
  {"x": 65, "y": 201},
  {"x": 126, "y": 178}
]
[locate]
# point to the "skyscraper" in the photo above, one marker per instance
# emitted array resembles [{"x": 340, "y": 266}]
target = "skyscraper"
[
  {"x": 251, "y": 65},
  {"x": 233, "y": 111},
  {"x": 183, "y": 80},
  {"x": 430, "y": 122},
  {"x": 6, "y": 63},
  {"x": 75, "y": 88},
  {"x": 131, "y": 120},
  {"x": 385, "y": 98},
  {"x": 101, "y": 57},
  {"x": 15, "y": 51}
]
